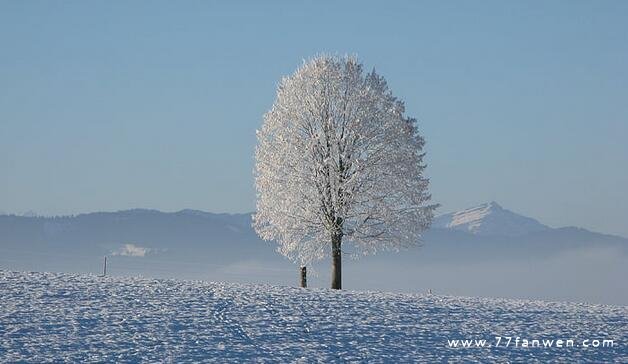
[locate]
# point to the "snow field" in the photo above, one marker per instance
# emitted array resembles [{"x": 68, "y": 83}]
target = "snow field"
[{"x": 46, "y": 317}]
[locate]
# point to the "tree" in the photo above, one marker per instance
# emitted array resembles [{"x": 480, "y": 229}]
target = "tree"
[{"x": 337, "y": 161}]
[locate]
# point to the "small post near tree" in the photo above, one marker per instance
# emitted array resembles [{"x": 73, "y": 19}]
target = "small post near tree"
[
  {"x": 337, "y": 162},
  {"x": 303, "y": 271}
]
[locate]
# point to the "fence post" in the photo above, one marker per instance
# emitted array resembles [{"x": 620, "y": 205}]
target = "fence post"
[{"x": 303, "y": 277}]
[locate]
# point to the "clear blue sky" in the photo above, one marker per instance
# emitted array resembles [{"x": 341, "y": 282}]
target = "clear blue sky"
[{"x": 115, "y": 105}]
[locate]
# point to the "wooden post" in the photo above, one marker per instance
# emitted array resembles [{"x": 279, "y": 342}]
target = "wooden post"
[
  {"x": 104, "y": 268},
  {"x": 303, "y": 277}
]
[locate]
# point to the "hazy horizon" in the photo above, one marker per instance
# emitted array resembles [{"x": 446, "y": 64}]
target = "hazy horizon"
[{"x": 442, "y": 213}]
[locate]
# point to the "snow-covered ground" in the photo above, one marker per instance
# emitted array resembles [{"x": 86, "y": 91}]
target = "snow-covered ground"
[{"x": 79, "y": 318}]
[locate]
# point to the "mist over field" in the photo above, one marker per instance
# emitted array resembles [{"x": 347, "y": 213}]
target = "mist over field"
[{"x": 564, "y": 264}]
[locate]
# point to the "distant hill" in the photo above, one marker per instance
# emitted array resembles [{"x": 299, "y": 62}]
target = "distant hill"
[
  {"x": 489, "y": 219},
  {"x": 487, "y": 241}
]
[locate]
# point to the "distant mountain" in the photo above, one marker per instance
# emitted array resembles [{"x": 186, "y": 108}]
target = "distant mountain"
[
  {"x": 484, "y": 250},
  {"x": 209, "y": 237},
  {"x": 489, "y": 219},
  {"x": 186, "y": 233}
]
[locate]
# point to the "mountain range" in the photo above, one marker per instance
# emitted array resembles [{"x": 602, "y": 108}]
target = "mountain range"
[{"x": 485, "y": 242}]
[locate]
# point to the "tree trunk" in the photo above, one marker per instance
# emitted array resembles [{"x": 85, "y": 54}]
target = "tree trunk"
[
  {"x": 336, "y": 267},
  {"x": 303, "y": 277}
]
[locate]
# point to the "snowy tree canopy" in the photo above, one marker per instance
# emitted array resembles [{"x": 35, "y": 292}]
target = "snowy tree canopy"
[{"x": 336, "y": 157}]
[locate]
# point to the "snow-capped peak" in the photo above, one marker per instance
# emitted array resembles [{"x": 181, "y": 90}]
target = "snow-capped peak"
[{"x": 489, "y": 219}]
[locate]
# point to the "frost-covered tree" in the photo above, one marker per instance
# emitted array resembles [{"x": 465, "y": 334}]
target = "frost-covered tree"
[{"x": 338, "y": 162}]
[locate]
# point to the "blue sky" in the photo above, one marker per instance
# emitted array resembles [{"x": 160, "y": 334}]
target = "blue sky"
[{"x": 116, "y": 105}]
